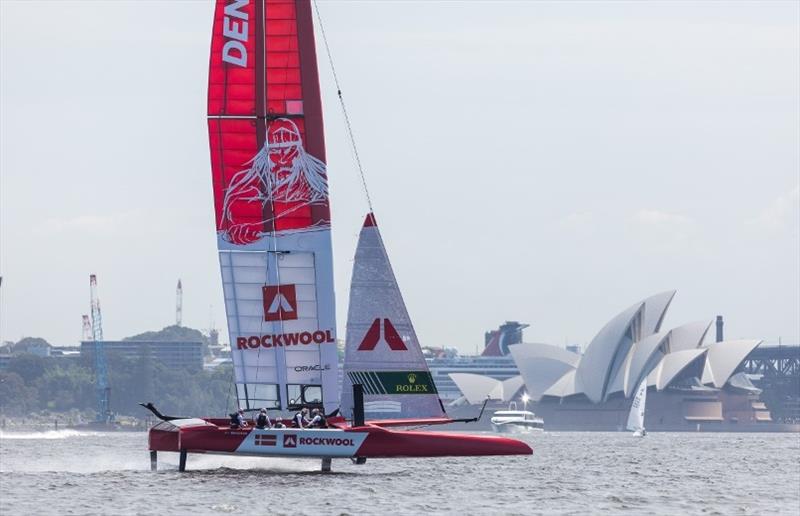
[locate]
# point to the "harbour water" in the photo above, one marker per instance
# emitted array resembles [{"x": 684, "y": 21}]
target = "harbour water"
[{"x": 69, "y": 472}]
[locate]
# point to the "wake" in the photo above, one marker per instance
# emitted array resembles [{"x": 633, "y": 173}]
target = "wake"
[{"x": 47, "y": 434}]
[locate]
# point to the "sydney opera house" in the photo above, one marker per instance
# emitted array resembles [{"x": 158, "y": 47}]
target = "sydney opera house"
[{"x": 692, "y": 380}]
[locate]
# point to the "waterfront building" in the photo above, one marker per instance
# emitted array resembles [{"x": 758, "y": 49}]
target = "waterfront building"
[
  {"x": 173, "y": 354},
  {"x": 695, "y": 383}
]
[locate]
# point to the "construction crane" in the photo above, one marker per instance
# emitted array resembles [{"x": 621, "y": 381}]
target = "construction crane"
[
  {"x": 179, "y": 304},
  {"x": 87, "y": 329},
  {"x": 100, "y": 369}
]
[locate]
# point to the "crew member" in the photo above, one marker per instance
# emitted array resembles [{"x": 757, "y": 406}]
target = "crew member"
[
  {"x": 262, "y": 420},
  {"x": 279, "y": 423},
  {"x": 317, "y": 419},
  {"x": 300, "y": 419},
  {"x": 238, "y": 420}
]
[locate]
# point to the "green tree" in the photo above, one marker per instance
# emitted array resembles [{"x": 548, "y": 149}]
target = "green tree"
[
  {"x": 29, "y": 367},
  {"x": 16, "y": 398}
]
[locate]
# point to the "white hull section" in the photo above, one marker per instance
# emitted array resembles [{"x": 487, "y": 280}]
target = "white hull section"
[
  {"x": 302, "y": 443},
  {"x": 516, "y": 428}
]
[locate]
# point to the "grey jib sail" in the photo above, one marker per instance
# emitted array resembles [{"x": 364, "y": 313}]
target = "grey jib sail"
[{"x": 382, "y": 352}]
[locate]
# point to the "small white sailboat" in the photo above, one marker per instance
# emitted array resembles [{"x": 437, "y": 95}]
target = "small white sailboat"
[{"x": 636, "y": 415}]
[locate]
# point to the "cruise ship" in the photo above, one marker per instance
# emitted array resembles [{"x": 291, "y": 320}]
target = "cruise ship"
[{"x": 495, "y": 361}]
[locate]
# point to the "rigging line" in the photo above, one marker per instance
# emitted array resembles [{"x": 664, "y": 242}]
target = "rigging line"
[{"x": 344, "y": 108}]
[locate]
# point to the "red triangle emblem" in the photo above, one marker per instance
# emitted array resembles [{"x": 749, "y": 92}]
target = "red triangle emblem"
[{"x": 390, "y": 335}]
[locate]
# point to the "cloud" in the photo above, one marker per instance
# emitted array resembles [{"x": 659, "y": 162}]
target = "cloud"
[
  {"x": 781, "y": 213},
  {"x": 86, "y": 224},
  {"x": 663, "y": 228}
]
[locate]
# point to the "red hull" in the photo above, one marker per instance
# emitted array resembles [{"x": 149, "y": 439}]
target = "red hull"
[{"x": 368, "y": 441}]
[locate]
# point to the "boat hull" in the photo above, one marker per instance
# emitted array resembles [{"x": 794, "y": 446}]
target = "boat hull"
[
  {"x": 517, "y": 428},
  {"x": 368, "y": 441}
]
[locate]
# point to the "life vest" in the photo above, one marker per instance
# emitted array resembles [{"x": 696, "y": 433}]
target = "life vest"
[
  {"x": 261, "y": 421},
  {"x": 234, "y": 420},
  {"x": 298, "y": 420}
]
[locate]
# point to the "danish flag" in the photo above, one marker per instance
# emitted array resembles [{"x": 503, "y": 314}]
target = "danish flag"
[
  {"x": 280, "y": 302},
  {"x": 266, "y": 440},
  {"x": 390, "y": 336}
]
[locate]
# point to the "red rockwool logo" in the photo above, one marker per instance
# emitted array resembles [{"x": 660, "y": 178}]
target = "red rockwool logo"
[
  {"x": 290, "y": 441},
  {"x": 390, "y": 335},
  {"x": 280, "y": 303},
  {"x": 277, "y": 340},
  {"x": 326, "y": 441}
]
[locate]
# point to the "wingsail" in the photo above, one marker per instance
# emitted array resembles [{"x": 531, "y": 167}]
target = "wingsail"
[
  {"x": 382, "y": 351},
  {"x": 271, "y": 202}
]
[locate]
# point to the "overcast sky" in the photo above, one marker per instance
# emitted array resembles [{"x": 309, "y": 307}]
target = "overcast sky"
[{"x": 549, "y": 162}]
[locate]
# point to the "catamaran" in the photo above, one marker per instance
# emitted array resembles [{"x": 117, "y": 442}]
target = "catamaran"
[
  {"x": 274, "y": 239},
  {"x": 636, "y": 415}
]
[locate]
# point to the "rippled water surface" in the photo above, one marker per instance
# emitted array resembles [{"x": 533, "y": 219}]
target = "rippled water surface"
[{"x": 70, "y": 472}]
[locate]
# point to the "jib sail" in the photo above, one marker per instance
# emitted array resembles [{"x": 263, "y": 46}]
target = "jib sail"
[
  {"x": 382, "y": 352},
  {"x": 271, "y": 200}
]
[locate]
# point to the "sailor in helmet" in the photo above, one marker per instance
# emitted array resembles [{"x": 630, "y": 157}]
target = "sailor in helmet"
[
  {"x": 300, "y": 419},
  {"x": 317, "y": 419},
  {"x": 262, "y": 420},
  {"x": 238, "y": 420}
]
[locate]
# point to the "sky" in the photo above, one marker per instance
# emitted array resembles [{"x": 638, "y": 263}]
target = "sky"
[{"x": 547, "y": 162}]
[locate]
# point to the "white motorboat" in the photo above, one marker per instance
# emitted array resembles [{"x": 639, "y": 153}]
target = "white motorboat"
[{"x": 516, "y": 421}]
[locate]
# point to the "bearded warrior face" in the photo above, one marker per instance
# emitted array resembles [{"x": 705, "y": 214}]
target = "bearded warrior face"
[{"x": 281, "y": 171}]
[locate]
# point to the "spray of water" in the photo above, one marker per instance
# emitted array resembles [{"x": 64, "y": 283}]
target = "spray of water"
[{"x": 48, "y": 434}]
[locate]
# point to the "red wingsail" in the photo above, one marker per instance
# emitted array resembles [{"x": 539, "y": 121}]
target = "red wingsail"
[{"x": 265, "y": 120}]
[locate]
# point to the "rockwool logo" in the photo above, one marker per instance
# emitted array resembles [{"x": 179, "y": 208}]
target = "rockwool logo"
[
  {"x": 280, "y": 302},
  {"x": 290, "y": 441},
  {"x": 234, "y": 30},
  {"x": 326, "y": 441},
  {"x": 390, "y": 336}
]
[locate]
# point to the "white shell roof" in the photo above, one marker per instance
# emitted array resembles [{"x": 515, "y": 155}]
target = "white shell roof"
[
  {"x": 541, "y": 365},
  {"x": 723, "y": 358},
  {"x": 655, "y": 307},
  {"x": 474, "y": 387},
  {"x": 618, "y": 383},
  {"x": 596, "y": 363},
  {"x": 477, "y": 387},
  {"x": 688, "y": 336},
  {"x": 567, "y": 385},
  {"x": 645, "y": 352},
  {"x": 671, "y": 366}
]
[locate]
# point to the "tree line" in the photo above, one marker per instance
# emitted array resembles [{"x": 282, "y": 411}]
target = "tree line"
[{"x": 32, "y": 384}]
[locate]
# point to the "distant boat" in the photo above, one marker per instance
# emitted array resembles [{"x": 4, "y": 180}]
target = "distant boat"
[
  {"x": 515, "y": 421},
  {"x": 636, "y": 415}
]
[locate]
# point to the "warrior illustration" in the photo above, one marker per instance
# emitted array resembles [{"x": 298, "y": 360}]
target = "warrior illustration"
[{"x": 282, "y": 171}]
